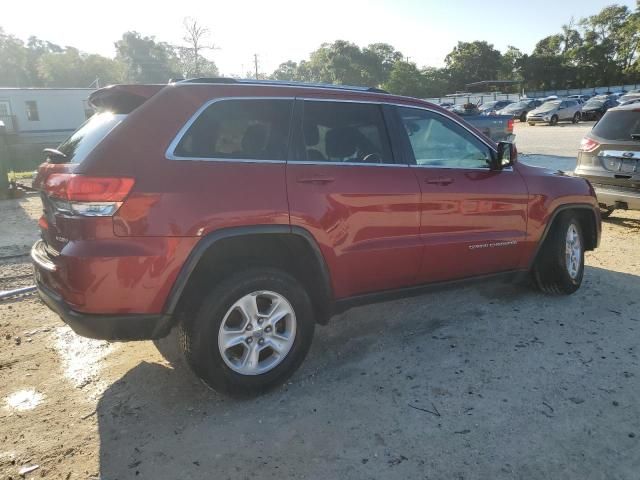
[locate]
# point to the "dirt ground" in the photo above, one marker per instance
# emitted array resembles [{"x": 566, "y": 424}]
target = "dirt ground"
[{"x": 490, "y": 381}]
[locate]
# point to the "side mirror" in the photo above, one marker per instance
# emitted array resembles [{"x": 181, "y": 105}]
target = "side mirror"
[{"x": 506, "y": 156}]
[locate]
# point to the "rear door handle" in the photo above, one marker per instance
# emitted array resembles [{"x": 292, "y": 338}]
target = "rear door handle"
[
  {"x": 439, "y": 181},
  {"x": 316, "y": 180}
]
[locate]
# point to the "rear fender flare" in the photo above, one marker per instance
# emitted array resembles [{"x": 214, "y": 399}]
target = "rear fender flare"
[{"x": 211, "y": 239}]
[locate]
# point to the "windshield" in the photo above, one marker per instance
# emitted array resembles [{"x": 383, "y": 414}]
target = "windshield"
[
  {"x": 487, "y": 106},
  {"x": 549, "y": 105},
  {"x": 83, "y": 141},
  {"x": 594, "y": 103},
  {"x": 465, "y": 109},
  {"x": 618, "y": 125},
  {"x": 517, "y": 105}
]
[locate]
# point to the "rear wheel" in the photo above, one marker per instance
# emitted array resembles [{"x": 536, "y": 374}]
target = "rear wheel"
[
  {"x": 523, "y": 117},
  {"x": 251, "y": 332},
  {"x": 576, "y": 117},
  {"x": 554, "y": 121},
  {"x": 559, "y": 267}
]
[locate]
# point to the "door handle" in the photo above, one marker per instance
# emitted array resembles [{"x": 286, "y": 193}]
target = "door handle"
[
  {"x": 316, "y": 180},
  {"x": 439, "y": 181}
]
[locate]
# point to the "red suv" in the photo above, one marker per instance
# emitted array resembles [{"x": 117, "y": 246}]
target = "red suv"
[{"x": 245, "y": 212}]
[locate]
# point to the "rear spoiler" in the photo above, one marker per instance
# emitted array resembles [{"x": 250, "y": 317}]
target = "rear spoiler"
[{"x": 122, "y": 98}]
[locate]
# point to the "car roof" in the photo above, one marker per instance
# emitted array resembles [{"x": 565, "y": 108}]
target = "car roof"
[{"x": 630, "y": 106}]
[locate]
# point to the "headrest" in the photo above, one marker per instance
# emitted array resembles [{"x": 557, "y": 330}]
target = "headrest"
[
  {"x": 254, "y": 140},
  {"x": 341, "y": 142},
  {"x": 311, "y": 134}
]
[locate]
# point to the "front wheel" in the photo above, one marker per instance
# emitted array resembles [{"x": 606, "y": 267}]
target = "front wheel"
[
  {"x": 559, "y": 267},
  {"x": 554, "y": 121},
  {"x": 251, "y": 333}
]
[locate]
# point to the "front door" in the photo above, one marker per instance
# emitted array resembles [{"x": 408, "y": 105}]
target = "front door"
[
  {"x": 473, "y": 220},
  {"x": 345, "y": 187}
]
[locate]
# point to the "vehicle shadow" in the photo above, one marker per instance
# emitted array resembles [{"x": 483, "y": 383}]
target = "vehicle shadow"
[
  {"x": 633, "y": 223},
  {"x": 345, "y": 413}
]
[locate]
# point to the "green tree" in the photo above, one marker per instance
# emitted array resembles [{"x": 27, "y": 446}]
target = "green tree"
[
  {"x": 146, "y": 61},
  {"x": 13, "y": 62},
  {"x": 405, "y": 79},
  {"x": 472, "y": 62}
]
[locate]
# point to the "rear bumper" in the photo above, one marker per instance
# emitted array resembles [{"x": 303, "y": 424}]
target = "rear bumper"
[
  {"x": 609, "y": 197},
  {"x": 106, "y": 327}
]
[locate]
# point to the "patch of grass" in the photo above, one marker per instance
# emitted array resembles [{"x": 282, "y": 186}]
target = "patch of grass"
[{"x": 20, "y": 175}]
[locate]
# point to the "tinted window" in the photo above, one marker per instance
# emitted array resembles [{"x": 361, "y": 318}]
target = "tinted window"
[
  {"x": 618, "y": 125},
  {"x": 239, "y": 129},
  {"x": 344, "y": 132},
  {"x": 439, "y": 142},
  {"x": 90, "y": 133}
]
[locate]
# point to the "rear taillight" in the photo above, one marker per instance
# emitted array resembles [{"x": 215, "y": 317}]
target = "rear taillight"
[
  {"x": 87, "y": 196},
  {"x": 588, "y": 144},
  {"x": 510, "y": 125}
]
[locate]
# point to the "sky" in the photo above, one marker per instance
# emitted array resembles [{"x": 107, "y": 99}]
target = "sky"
[{"x": 281, "y": 30}]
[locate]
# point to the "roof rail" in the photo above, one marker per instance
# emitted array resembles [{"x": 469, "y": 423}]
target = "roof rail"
[{"x": 226, "y": 80}]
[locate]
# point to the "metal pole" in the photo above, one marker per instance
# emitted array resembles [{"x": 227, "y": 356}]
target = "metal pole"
[{"x": 4, "y": 162}]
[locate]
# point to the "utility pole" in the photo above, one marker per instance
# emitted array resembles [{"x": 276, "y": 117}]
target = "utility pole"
[{"x": 255, "y": 61}]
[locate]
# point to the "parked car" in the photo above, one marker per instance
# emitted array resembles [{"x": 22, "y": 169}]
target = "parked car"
[
  {"x": 244, "y": 213},
  {"x": 629, "y": 98},
  {"x": 520, "y": 109},
  {"x": 491, "y": 108},
  {"x": 609, "y": 157},
  {"x": 554, "y": 111},
  {"x": 596, "y": 107},
  {"x": 580, "y": 98},
  {"x": 499, "y": 128}
]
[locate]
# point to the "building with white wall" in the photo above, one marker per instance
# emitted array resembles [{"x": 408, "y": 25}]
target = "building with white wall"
[{"x": 37, "y": 118}]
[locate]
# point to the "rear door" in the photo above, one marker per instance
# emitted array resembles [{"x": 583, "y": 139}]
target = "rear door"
[
  {"x": 473, "y": 219},
  {"x": 346, "y": 188}
]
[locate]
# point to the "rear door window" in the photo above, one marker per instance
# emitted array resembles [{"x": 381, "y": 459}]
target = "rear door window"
[
  {"x": 84, "y": 140},
  {"x": 618, "y": 125},
  {"x": 344, "y": 132},
  {"x": 239, "y": 129}
]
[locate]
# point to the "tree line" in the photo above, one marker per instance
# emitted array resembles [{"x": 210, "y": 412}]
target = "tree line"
[{"x": 602, "y": 49}]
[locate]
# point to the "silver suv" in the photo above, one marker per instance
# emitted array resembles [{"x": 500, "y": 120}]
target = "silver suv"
[{"x": 554, "y": 111}]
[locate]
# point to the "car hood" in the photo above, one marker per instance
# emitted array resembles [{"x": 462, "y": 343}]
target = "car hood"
[{"x": 541, "y": 112}]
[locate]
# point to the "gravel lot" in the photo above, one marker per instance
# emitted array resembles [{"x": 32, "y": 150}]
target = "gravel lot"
[{"x": 492, "y": 381}]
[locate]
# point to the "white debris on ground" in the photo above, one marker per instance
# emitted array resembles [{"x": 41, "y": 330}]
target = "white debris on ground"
[
  {"x": 82, "y": 359},
  {"x": 24, "y": 400}
]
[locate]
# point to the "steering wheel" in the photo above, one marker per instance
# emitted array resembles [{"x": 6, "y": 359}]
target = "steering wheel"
[{"x": 372, "y": 158}]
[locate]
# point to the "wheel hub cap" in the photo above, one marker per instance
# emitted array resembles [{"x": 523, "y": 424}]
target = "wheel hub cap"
[
  {"x": 573, "y": 252},
  {"x": 257, "y": 333}
]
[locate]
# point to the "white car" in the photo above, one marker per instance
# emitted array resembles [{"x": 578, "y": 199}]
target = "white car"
[{"x": 555, "y": 111}]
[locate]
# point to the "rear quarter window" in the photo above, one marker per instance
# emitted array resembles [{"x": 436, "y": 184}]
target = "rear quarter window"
[
  {"x": 84, "y": 140},
  {"x": 618, "y": 125},
  {"x": 238, "y": 129}
]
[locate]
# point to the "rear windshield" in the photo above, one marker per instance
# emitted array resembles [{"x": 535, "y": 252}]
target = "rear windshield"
[
  {"x": 618, "y": 125},
  {"x": 79, "y": 145}
]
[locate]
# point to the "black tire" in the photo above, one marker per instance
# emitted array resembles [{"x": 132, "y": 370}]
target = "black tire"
[
  {"x": 576, "y": 117},
  {"x": 550, "y": 270},
  {"x": 198, "y": 337},
  {"x": 554, "y": 121},
  {"x": 606, "y": 212},
  {"x": 523, "y": 117}
]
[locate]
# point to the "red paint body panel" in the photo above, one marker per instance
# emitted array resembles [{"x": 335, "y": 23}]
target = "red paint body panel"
[
  {"x": 366, "y": 222},
  {"x": 474, "y": 225},
  {"x": 378, "y": 228}
]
